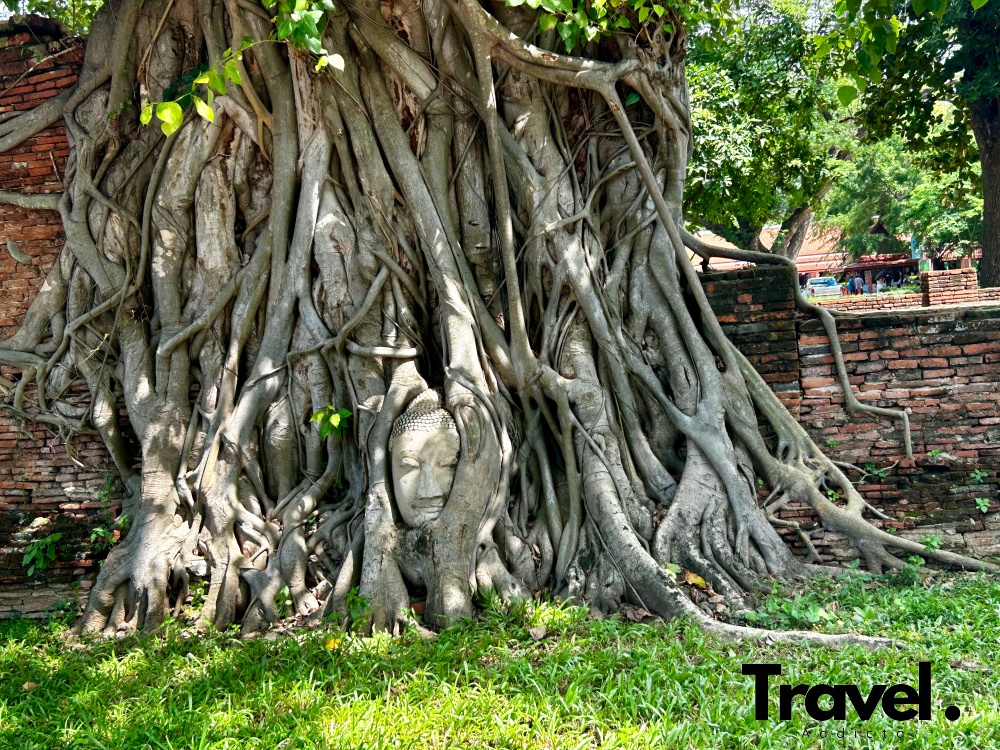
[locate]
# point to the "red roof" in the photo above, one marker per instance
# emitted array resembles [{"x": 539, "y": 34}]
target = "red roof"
[{"x": 819, "y": 252}]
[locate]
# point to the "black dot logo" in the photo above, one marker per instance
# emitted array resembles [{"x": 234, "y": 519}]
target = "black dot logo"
[{"x": 952, "y": 713}]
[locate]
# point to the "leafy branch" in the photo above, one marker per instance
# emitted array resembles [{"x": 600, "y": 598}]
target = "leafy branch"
[{"x": 197, "y": 87}]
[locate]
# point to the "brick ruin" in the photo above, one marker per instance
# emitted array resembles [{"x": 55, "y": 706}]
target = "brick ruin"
[
  {"x": 42, "y": 490},
  {"x": 942, "y": 364},
  {"x": 955, "y": 287}
]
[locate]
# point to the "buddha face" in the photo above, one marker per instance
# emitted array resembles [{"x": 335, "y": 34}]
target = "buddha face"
[{"x": 423, "y": 467}]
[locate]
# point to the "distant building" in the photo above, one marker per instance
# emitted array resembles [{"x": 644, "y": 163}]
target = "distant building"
[{"x": 819, "y": 255}]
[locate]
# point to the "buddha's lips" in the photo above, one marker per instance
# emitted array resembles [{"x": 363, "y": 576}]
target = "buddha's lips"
[{"x": 428, "y": 503}]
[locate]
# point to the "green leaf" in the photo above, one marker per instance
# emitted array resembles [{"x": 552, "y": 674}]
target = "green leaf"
[
  {"x": 314, "y": 45},
  {"x": 324, "y": 430},
  {"x": 919, "y": 6},
  {"x": 146, "y": 115},
  {"x": 547, "y": 21},
  {"x": 217, "y": 82},
  {"x": 231, "y": 72},
  {"x": 204, "y": 110},
  {"x": 977, "y": 4},
  {"x": 631, "y": 99},
  {"x": 171, "y": 115},
  {"x": 847, "y": 94}
]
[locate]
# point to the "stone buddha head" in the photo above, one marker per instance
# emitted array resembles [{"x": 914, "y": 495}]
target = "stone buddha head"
[{"x": 424, "y": 447}]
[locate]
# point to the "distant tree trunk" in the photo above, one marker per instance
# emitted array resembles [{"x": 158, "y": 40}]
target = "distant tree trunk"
[{"x": 985, "y": 116}]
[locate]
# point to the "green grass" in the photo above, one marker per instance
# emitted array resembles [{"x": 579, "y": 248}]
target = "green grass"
[{"x": 587, "y": 683}]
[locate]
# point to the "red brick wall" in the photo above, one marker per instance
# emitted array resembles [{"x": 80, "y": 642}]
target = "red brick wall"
[
  {"x": 941, "y": 365},
  {"x": 954, "y": 287},
  {"x": 42, "y": 491},
  {"x": 936, "y": 288},
  {"x": 869, "y": 302}
]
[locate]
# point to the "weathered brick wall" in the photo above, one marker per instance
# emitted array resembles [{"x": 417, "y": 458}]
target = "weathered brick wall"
[
  {"x": 42, "y": 491},
  {"x": 759, "y": 312},
  {"x": 955, "y": 287},
  {"x": 941, "y": 365},
  {"x": 870, "y": 302}
]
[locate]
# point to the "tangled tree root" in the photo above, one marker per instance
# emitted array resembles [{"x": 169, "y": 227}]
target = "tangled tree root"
[{"x": 459, "y": 205}]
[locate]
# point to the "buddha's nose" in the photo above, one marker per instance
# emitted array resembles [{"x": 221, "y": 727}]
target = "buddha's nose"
[{"x": 428, "y": 487}]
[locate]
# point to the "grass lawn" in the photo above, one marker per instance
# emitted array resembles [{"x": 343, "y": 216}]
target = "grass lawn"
[{"x": 586, "y": 683}]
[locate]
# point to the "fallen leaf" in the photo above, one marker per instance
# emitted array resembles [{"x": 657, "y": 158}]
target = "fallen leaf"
[
  {"x": 29, "y": 686},
  {"x": 633, "y": 613},
  {"x": 693, "y": 579},
  {"x": 537, "y": 633}
]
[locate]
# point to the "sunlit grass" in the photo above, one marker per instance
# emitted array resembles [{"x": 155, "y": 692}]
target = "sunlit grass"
[{"x": 586, "y": 683}]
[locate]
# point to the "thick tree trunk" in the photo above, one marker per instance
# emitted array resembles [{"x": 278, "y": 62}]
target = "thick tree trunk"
[
  {"x": 449, "y": 206},
  {"x": 985, "y": 117}
]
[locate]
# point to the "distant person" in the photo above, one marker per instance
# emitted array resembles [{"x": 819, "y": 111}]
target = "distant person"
[
  {"x": 850, "y": 285},
  {"x": 859, "y": 285}
]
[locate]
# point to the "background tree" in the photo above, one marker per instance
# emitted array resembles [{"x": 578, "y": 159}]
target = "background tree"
[
  {"x": 316, "y": 210},
  {"x": 887, "y": 185},
  {"x": 909, "y": 58},
  {"x": 764, "y": 113}
]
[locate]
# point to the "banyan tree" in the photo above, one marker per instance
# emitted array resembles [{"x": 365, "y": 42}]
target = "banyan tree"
[{"x": 394, "y": 298}]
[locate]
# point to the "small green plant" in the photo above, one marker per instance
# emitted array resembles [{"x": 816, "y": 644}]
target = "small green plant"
[
  {"x": 301, "y": 23},
  {"x": 891, "y": 530},
  {"x": 330, "y": 420},
  {"x": 283, "y": 601},
  {"x": 934, "y": 453},
  {"x": 872, "y": 468},
  {"x": 978, "y": 476},
  {"x": 831, "y": 443},
  {"x": 357, "y": 608},
  {"x": 833, "y": 495},
  {"x": 124, "y": 524},
  {"x": 104, "y": 494},
  {"x": 910, "y": 573},
  {"x": 931, "y": 542},
  {"x": 983, "y": 504},
  {"x": 102, "y": 538},
  {"x": 198, "y": 87},
  {"x": 40, "y": 553}
]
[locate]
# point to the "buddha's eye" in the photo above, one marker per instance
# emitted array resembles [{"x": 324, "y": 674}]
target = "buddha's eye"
[
  {"x": 448, "y": 463},
  {"x": 409, "y": 463}
]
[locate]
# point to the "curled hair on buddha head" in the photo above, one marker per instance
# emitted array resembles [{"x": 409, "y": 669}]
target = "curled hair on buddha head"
[{"x": 424, "y": 414}]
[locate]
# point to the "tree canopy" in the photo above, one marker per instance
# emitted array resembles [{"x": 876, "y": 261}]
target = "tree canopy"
[
  {"x": 886, "y": 194},
  {"x": 765, "y": 117}
]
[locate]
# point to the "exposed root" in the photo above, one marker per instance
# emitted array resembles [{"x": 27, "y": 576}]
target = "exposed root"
[{"x": 459, "y": 207}]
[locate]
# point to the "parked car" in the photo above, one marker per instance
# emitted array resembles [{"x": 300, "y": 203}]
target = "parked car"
[{"x": 823, "y": 286}]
